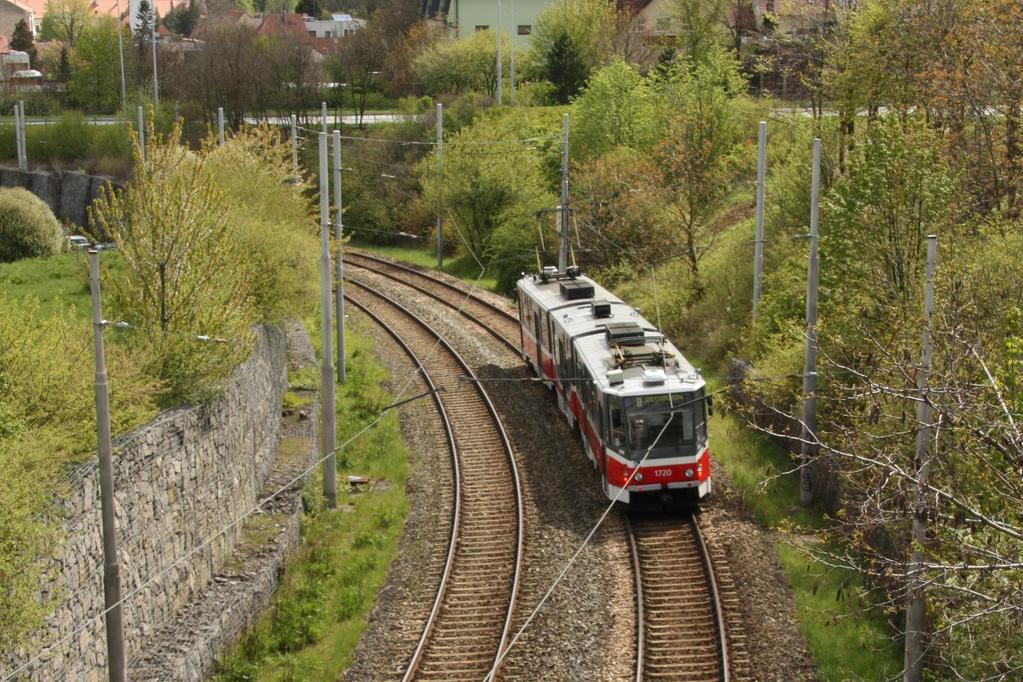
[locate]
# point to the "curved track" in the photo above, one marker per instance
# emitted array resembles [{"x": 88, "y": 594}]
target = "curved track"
[
  {"x": 495, "y": 320},
  {"x": 680, "y": 626},
  {"x": 469, "y": 624}
]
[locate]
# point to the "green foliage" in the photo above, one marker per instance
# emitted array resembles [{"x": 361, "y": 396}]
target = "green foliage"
[
  {"x": 183, "y": 19},
  {"x": 27, "y": 226},
  {"x": 23, "y": 39},
  {"x": 491, "y": 185},
  {"x": 95, "y": 82},
  {"x": 617, "y": 107},
  {"x": 181, "y": 278},
  {"x": 569, "y": 39},
  {"x": 65, "y": 20},
  {"x": 462, "y": 65},
  {"x": 564, "y": 69},
  {"x": 317, "y": 615},
  {"x": 73, "y": 140}
]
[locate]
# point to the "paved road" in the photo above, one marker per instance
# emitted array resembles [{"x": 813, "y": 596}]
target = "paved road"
[{"x": 346, "y": 119}]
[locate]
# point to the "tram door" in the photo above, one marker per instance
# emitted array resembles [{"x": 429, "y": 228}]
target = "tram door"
[{"x": 539, "y": 342}]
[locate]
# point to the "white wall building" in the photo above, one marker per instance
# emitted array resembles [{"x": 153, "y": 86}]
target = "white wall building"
[{"x": 338, "y": 26}]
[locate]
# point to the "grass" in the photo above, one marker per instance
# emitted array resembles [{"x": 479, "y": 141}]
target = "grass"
[
  {"x": 462, "y": 267},
  {"x": 845, "y": 641},
  {"x": 321, "y": 607},
  {"x": 54, "y": 281}
]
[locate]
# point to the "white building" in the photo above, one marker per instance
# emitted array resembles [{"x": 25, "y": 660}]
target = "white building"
[{"x": 339, "y": 25}]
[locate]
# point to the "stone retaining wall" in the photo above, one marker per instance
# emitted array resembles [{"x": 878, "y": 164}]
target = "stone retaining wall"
[
  {"x": 179, "y": 480},
  {"x": 68, "y": 194}
]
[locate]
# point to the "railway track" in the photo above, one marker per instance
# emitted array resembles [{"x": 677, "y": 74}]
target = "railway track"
[
  {"x": 681, "y": 628},
  {"x": 469, "y": 624},
  {"x": 495, "y": 320}
]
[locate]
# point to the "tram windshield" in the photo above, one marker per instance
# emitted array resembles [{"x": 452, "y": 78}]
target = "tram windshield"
[{"x": 679, "y": 416}]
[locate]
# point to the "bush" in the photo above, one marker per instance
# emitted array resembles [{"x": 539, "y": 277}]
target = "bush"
[{"x": 27, "y": 226}]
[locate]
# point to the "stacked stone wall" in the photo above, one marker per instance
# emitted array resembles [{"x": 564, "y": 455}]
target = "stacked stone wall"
[
  {"x": 68, "y": 194},
  {"x": 179, "y": 480}
]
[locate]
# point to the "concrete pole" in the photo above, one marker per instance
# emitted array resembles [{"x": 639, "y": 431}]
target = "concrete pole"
[
  {"x": 176, "y": 114},
  {"x": 323, "y": 115},
  {"x": 24, "y": 135},
  {"x": 111, "y": 567},
  {"x": 327, "y": 353},
  {"x": 17, "y": 135},
  {"x": 339, "y": 272},
  {"x": 563, "y": 250},
  {"x": 809, "y": 429},
  {"x": 120, "y": 52},
  {"x": 500, "y": 66},
  {"x": 156, "y": 76},
  {"x": 511, "y": 75},
  {"x": 220, "y": 125},
  {"x": 758, "y": 252},
  {"x": 142, "y": 132},
  {"x": 916, "y": 607},
  {"x": 294, "y": 146},
  {"x": 439, "y": 152}
]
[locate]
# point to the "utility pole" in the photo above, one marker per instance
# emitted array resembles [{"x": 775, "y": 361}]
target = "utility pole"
[
  {"x": 511, "y": 57},
  {"x": 24, "y": 136},
  {"x": 758, "y": 252},
  {"x": 120, "y": 52},
  {"x": 326, "y": 351},
  {"x": 220, "y": 125},
  {"x": 439, "y": 153},
  {"x": 915, "y": 609},
  {"x": 142, "y": 132},
  {"x": 323, "y": 116},
  {"x": 500, "y": 66},
  {"x": 156, "y": 77},
  {"x": 809, "y": 429},
  {"x": 294, "y": 146},
  {"x": 563, "y": 250},
  {"x": 111, "y": 567},
  {"x": 339, "y": 272},
  {"x": 18, "y": 137}
]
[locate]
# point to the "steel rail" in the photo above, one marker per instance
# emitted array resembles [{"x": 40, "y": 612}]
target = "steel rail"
[
  {"x": 516, "y": 573},
  {"x": 707, "y": 569}
]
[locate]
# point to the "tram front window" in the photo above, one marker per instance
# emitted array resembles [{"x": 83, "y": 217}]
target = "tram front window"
[{"x": 679, "y": 417}]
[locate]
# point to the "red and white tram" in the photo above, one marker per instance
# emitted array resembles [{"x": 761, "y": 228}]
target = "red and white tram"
[{"x": 626, "y": 387}]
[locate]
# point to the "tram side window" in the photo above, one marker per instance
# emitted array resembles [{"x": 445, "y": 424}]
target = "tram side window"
[
  {"x": 701, "y": 420},
  {"x": 616, "y": 422},
  {"x": 545, "y": 341}
]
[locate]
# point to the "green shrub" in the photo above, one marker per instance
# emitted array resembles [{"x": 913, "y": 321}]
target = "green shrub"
[{"x": 27, "y": 226}]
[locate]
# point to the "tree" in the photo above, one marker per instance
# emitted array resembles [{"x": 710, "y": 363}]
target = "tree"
[
  {"x": 183, "y": 19},
  {"x": 95, "y": 82},
  {"x": 588, "y": 26},
  {"x": 457, "y": 66},
  {"x": 357, "y": 63},
  {"x": 702, "y": 27},
  {"x": 65, "y": 20},
  {"x": 311, "y": 8},
  {"x": 22, "y": 39},
  {"x": 182, "y": 272},
  {"x": 565, "y": 69},
  {"x": 617, "y": 108}
]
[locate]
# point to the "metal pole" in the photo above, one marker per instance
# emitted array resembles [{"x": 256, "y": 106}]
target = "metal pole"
[
  {"x": 440, "y": 179},
  {"x": 323, "y": 115},
  {"x": 294, "y": 146},
  {"x": 24, "y": 135},
  {"x": 563, "y": 251},
  {"x": 500, "y": 66},
  {"x": 17, "y": 135},
  {"x": 220, "y": 124},
  {"x": 758, "y": 254},
  {"x": 339, "y": 272},
  {"x": 156, "y": 77},
  {"x": 142, "y": 132},
  {"x": 915, "y": 609},
  {"x": 511, "y": 57},
  {"x": 809, "y": 429},
  {"x": 326, "y": 365},
  {"x": 111, "y": 567},
  {"x": 175, "y": 110},
  {"x": 120, "y": 52}
]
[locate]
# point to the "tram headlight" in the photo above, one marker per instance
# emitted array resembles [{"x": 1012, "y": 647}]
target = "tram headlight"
[
  {"x": 638, "y": 476},
  {"x": 689, "y": 473}
]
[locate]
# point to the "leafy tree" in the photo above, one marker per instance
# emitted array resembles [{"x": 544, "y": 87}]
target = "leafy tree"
[
  {"x": 64, "y": 65},
  {"x": 28, "y": 227},
  {"x": 311, "y": 8},
  {"x": 565, "y": 69},
  {"x": 22, "y": 39},
  {"x": 65, "y": 20},
  {"x": 183, "y": 19},
  {"x": 457, "y": 66},
  {"x": 589, "y": 26},
  {"x": 358, "y": 62},
  {"x": 398, "y": 75},
  {"x": 95, "y": 82},
  {"x": 617, "y": 107},
  {"x": 701, "y": 25},
  {"x": 181, "y": 275}
]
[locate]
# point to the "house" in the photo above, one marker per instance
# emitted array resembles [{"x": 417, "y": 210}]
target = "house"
[
  {"x": 11, "y": 60},
  {"x": 13, "y": 11},
  {"x": 463, "y": 17},
  {"x": 127, "y": 10},
  {"x": 338, "y": 26},
  {"x": 283, "y": 26}
]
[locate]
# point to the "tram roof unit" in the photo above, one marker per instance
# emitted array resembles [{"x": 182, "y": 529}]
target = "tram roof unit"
[{"x": 638, "y": 352}]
